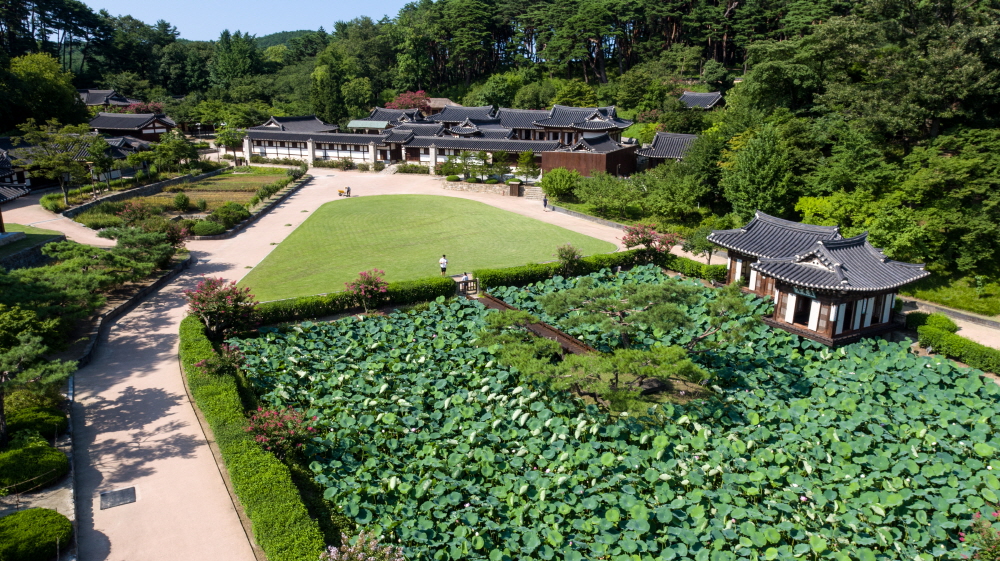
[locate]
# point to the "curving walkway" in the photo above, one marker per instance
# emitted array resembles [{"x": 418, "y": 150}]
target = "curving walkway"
[{"x": 135, "y": 425}]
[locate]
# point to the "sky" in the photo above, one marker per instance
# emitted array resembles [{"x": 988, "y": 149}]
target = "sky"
[{"x": 203, "y": 20}]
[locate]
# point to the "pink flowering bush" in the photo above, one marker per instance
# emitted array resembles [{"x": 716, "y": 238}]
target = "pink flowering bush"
[
  {"x": 281, "y": 431},
  {"x": 983, "y": 537},
  {"x": 651, "y": 242},
  {"x": 134, "y": 212},
  {"x": 366, "y": 548},
  {"x": 223, "y": 307},
  {"x": 226, "y": 362},
  {"x": 369, "y": 289}
]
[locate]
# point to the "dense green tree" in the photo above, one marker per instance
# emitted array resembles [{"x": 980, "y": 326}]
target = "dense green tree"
[
  {"x": 754, "y": 173},
  {"x": 51, "y": 150},
  {"x": 575, "y": 94},
  {"x": 236, "y": 56},
  {"x": 325, "y": 91},
  {"x": 536, "y": 95},
  {"x": 38, "y": 88},
  {"x": 358, "y": 96}
]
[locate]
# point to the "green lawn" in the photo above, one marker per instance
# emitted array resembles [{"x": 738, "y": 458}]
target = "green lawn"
[
  {"x": 34, "y": 236},
  {"x": 404, "y": 235}
]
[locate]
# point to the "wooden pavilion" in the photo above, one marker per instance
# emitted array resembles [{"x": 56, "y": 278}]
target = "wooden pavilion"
[{"x": 825, "y": 287}]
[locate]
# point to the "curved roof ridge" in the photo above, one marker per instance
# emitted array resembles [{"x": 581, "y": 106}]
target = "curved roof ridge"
[{"x": 764, "y": 217}]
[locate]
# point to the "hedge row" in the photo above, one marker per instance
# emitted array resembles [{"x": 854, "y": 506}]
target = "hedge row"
[
  {"x": 310, "y": 307},
  {"x": 527, "y": 274},
  {"x": 281, "y": 524},
  {"x": 938, "y": 321},
  {"x": 959, "y": 348}
]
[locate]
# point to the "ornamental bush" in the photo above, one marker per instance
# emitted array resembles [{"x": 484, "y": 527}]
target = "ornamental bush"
[
  {"x": 935, "y": 320},
  {"x": 959, "y": 348},
  {"x": 412, "y": 168},
  {"x": 281, "y": 431},
  {"x": 378, "y": 166},
  {"x": 369, "y": 289},
  {"x": 560, "y": 183},
  {"x": 650, "y": 242},
  {"x": 35, "y": 534},
  {"x": 99, "y": 220},
  {"x": 181, "y": 202},
  {"x": 453, "y": 178},
  {"x": 229, "y": 214},
  {"x": 222, "y": 306},
  {"x": 207, "y": 228},
  {"x": 46, "y": 421},
  {"x": 30, "y": 463},
  {"x": 364, "y": 548}
]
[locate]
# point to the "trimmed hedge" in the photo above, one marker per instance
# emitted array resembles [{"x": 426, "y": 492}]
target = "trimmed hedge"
[
  {"x": 527, "y": 274},
  {"x": 31, "y": 467},
  {"x": 937, "y": 321},
  {"x": 207, "y": 228},
  {"x": 453, "y": 178},
  {"x": 281, "y": 524},
  {"x": 959, "y": 348},
  {"x": 46, "y": 421},
  {"x": 412, "y": 168},
  {"x": 309, "y": 307},
  {"x": 35, "y": 534}
]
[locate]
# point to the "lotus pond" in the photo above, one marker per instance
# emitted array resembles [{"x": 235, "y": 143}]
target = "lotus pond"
[{"x": 867, "y": 452}]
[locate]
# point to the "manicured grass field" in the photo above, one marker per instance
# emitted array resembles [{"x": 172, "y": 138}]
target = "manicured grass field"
[
  {"x": 34, "y": 236},
  {"x": 404, "y": 235}
]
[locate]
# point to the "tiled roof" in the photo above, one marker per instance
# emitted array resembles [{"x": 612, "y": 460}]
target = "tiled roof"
[
  {"x": 457, "y": 114},
  {"x": 602, "y": 144},
  {"x": 324, "y": 137},
  {"x": 701, "y": 100},
  {"x": 485, "y": 144},
  {"x": 395, "y": 136},
  {"x": 463, "y": 131},
  {"x": 845, "y": 265},
  {"x": 105, "y": 97},
  {"x": 308, "y": 123},
  {"x": 582, "y": 117},
  {"x": 770, "y": 237},
  {"x": 395, "y": 115},
  {"x": 495, "y": 132},
  {"x": 127, "y": 121},
  {"x": 521, "y": 118},
  {"x": 421, "y": 129},
  {"x": 669, "y": 145},
  {"x": 9, "y": 193}
]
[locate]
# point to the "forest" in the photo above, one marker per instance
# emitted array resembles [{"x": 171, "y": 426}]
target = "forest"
[{"x": 878, "y": 115}]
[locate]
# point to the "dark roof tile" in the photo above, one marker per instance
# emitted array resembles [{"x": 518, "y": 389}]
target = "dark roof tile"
[
  {"x": 771, "y": 237},
  {"x": 127, "y": 121},
  {"x": 701, "y": 100},
  {"x": 457, "y": 114},
  {"x": 669, "y": 145},
  {"x": 308, "y": 123}
]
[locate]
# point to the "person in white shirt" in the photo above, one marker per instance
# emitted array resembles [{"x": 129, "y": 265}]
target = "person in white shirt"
[{"x": 444, "y": 265}]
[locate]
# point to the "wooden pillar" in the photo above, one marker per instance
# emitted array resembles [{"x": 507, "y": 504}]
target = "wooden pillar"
[{"x": 2, "y": 229}]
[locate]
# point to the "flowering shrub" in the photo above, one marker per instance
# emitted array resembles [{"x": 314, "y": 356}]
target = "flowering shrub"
[
  {"x": 983, "y": 537},
  {"x": 223, "y": 307},
  {"x": 281, "y": 431},
  {"x": 569, "y": 259},
  {"x": 409, "y": 100},
  {"x": 133, "y": 212},
  {"x": 226, "y": 362},
  {"x": 652, "y": 242},
  {"x": 369, "y": 289},
  {"x": 366, "y": 548}
]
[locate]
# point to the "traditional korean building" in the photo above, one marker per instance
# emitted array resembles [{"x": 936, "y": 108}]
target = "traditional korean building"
[
  {"x": 308, "y": 123},
  {"x": 701, "y": 100},
  {"x": 144, "y": 126},
  {"x": 593, "y": 153},
  {"x": 667, "y": 146},
  {"x": 437, "y": 104},
  {"x": 105, "y": 98},
  {"x": 825, "y": 287}
]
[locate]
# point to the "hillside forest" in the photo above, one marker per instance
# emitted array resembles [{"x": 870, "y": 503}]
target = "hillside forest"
[{"x": 877, "y": 115}]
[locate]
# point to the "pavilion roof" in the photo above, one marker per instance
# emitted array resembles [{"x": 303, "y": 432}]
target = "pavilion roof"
[
  {"x": 772, "y": 237},
  {"x": 669, "y": 145}
]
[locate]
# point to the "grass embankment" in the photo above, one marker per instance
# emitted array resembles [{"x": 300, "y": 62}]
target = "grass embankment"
[
  {"x": 405, "y": 236},
  {"x": 957, "y": 293},
  {"x": 34, "y": 236}
]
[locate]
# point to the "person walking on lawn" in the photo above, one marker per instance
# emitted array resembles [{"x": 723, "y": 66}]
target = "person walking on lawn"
[{"x": 444, "y": 265}]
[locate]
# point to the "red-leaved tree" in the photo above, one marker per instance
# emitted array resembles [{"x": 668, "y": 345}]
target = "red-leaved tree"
[
  {"x": 650, "y": 242},
  {"x": 223, "y": 307},
  {"x": 409, "y": 100},
  {"x": 369, "y": 289}
]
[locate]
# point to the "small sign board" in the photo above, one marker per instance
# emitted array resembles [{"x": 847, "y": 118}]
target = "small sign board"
[
  {"x": 118, "y": 497},
  {"x": 804, "y": 292}
]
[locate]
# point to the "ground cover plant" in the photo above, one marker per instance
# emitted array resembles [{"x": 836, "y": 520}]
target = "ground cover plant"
[
  {"x": 404, "y": 235},
  {"x": 864, "y": 452}
]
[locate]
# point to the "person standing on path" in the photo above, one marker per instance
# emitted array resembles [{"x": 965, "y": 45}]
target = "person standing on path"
[
  {"x": 545, "y": 202},
  {"x": 444, "y": 264}
]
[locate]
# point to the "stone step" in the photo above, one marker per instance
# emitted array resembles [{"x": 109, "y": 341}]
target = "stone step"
[{"x": 533, "y": 193}]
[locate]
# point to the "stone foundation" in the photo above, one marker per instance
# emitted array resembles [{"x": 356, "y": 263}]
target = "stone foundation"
[
  {"x": 495, "y": 189},
  {"x": 11, "y": 237}
]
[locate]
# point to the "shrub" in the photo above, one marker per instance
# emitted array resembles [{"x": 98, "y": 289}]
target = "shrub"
[
  {"x": 569, "y": 259},
  {"x": 99, "y": 220},
  {"x": 207, "y": 228},
  {"x": 364, "y": 166},
  {"x": 959, "y": 348},
  {"x": 516, "y": 276},
  {"x": 53, "y": 202},
  {"x": 412, "y": 168},
  {"x": 134, "y": 211},
  {"x": 30, "y": 463},
  {"x": 937, "y": 321},
  {"x": 46, "y": 421},
  {"x": 560, "y": 184},
  {"x": 378, "y": 166},
  {"x": 181, "y": 202},
  {"x": 691, "y": 268},
  {"x": 472, "y": 180},
  {"x": 366, "y": 548},
  {"x": 651, "y": 242},
  {"x": 254, "y": 201},
  {"x": 453, "y": 178},
  {"x": 491, "y": 182},
  {"x": 202, "y": 205},
  {"x": 281, "y": 524},
  {"x": 916, "y": 319},
  {"x": 369, "y": 289},
  {"x": 280, "y": 431},
  {"x": 311, "y": 307},
  {"x": 232, "y": 157},
  {"x": 229, "y": 214},
  {"x": 255, "y": 159},
  {"x": 983, "y": 537},
  {"x": 35, "y": 534},
  {"x": 223, "y": 307},
  {"x": 108, "y": 207},
  {"x": 226, "y": 362}
]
